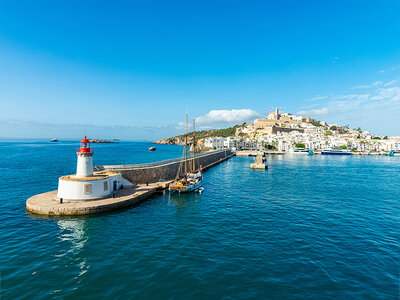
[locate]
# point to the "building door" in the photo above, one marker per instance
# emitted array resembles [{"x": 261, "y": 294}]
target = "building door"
[{"x": 115, "y": 185}]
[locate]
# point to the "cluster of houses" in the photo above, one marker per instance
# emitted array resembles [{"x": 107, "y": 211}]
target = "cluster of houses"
[{"x": 283, "y": 132}]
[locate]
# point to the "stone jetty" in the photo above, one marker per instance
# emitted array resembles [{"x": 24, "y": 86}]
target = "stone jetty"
[{"x": 147, "y": 179}]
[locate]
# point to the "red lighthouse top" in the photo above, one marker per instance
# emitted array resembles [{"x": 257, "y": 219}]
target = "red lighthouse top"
[{"x": 85, "y": 146}]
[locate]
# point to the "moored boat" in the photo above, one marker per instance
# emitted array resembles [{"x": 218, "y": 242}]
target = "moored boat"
[
  {"x": 192, "y": 177},
  {"x": 152, "y": 149},
  {"x": 303, "y": 151},
  {"x": 336, "y": 151}
]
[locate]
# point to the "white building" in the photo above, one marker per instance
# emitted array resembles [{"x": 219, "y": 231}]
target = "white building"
[
  {"x": 215, "y": 143},
  {"x": 85, "y": 185}
]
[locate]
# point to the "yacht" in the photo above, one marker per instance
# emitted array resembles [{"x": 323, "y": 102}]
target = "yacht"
[
  {"x": 336, "y": 151},
  {"x": 54, "y": 140},
  {"x": 303, "y": 151}
]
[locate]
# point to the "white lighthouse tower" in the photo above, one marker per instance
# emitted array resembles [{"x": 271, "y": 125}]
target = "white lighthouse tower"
[
  {"x": 84, "y": 166},
  {"x": 86, "y": 185}
]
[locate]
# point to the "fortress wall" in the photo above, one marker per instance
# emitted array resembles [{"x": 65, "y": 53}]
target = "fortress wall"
[{"x": 168, "y": 171}]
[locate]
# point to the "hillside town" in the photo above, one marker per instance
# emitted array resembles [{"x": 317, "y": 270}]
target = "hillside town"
[{"x": 285, "y": 131}]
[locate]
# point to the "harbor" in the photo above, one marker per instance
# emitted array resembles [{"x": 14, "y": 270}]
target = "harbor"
[
  {"x": 110, "y": 187},
  {"x": 173, "y": 150},
  {"x": 241, "y": 213}
]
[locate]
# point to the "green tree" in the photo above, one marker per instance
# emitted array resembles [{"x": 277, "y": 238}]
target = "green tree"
[
  {"x": 316, "y": 123},
  {"x": 300, "y": 145},
  {"x": 333, "y": 128},
  {"x": 328, "y": 132}
]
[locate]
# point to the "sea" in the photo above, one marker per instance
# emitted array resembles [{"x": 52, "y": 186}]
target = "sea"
[{"x": 309, "y": 227}]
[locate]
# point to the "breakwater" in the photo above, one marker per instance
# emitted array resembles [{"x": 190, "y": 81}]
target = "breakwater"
[
  {"x": 147, "y": 179},
  {"x": 164, "y": 170}
]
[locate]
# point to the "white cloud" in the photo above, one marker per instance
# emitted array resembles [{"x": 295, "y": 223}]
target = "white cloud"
[
  {"x": 316, "y": 98},
  {"x": 363, "y": 86},
  {"x": 314, "y": 112},
  {"x": 390, "y": 82},
  {"x": 367, "y": 86},
  {"x": 389, "y": 94},
  {"x": 227, "y": 116}
]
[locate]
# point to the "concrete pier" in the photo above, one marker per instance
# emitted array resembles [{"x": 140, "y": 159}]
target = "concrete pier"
[
  {"x": 259, "y": 162},
  {"x": 49, "y": 204},
  {"x": 254, "y": 152}
]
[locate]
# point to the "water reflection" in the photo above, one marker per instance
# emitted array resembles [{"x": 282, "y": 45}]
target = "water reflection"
[
  {"x": 183, "y": 200},
  {"x": 73, "y": 236},
  {"x": 73, "y": 232}
]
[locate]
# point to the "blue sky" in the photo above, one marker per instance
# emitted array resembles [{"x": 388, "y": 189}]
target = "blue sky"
[{"x": 130, "y": 69}]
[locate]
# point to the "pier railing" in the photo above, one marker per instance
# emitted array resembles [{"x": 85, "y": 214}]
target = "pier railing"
[{"x": 113, "y": 168}]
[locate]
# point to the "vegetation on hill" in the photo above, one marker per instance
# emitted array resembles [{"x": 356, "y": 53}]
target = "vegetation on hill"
[{"x": 179, "y": 139}]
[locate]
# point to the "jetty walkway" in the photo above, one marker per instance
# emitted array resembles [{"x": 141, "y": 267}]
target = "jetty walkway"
[{"x": 148, "y": 179}]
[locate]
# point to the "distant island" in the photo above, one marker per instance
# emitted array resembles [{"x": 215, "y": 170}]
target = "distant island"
[{"x": 97, "y": 141}]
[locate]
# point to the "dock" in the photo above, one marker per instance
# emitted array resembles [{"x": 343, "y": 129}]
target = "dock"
[
  {"x": 148, "y": 180},
  {"x": 254, "y": 152},
  {"x": 46, "y": 203}
]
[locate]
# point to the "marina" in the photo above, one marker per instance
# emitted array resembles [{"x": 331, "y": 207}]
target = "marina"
[{"x": 306, "y": 223}]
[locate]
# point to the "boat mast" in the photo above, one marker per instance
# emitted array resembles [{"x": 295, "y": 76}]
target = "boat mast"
[
  {"x": 194, "y": 148},
  {"x": 186, "y": 165}
]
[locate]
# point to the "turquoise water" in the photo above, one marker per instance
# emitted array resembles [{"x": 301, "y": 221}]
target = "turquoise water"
[{"x": 310, "y": 227}]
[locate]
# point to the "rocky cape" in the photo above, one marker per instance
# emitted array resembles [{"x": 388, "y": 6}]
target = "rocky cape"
[
  {"x": 97, "y": 141},
  {"x": 201, "y": 136}
]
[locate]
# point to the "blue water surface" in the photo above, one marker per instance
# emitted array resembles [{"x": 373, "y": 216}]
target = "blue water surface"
[{"x": 310, "y": 227}]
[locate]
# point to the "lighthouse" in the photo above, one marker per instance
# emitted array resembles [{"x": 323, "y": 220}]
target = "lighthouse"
[
  {"x": 84, "y": 167},
  {"x": 86, "y": 185}
]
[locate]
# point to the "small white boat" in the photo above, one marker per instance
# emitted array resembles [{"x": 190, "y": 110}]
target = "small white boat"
[
  {"x": 54, "y": 140},
  {"x": 303, "y": 151},
  {"x": 152, "y": 149}
]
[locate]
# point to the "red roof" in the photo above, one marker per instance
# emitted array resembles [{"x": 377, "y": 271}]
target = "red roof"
[{"x": 85, "y": 140}]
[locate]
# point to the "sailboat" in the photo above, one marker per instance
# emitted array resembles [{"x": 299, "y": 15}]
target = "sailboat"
[{"x": 191, "y": 179}]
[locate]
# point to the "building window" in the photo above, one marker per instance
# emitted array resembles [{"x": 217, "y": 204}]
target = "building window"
[
  {"x": 88, "y": 188},
  {"x": 105, "y": 185}
]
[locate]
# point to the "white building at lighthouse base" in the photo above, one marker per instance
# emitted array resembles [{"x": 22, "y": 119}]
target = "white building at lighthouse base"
[
  {"x": 92, "y": 187},
  {"x": 85, "y": 185}
]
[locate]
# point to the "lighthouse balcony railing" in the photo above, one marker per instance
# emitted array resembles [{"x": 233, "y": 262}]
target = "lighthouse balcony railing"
[{"x": 84, "y": 150}]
